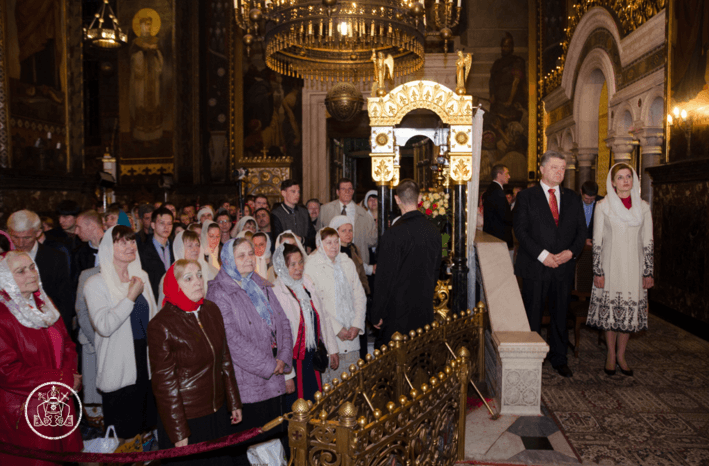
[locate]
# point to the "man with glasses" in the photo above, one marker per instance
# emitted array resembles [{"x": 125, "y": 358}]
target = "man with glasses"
[{"x": 225, "y": 225}]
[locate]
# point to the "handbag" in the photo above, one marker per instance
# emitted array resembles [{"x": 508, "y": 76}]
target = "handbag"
[
  {"x": 320, "y": 358},
  {"x": 106, "y": 444},
  {"x": 271, "y": 453}
]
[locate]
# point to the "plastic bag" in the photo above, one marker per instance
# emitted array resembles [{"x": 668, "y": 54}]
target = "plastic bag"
[
  {"x": 269, "y": 453},
  {"x": 106, "y": 444}
]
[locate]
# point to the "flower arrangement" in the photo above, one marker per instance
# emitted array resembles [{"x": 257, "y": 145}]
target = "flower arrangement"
[{"x": 436, "y": 207}]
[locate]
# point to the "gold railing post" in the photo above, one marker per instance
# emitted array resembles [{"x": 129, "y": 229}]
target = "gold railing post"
[
  {"x": 396, "y": 344},
  {"x": 347, "y": 421},
  {"x": 464, "y": 373},
  {"x": 298, "y": 432},
  {"x": 480, "y": 311}
]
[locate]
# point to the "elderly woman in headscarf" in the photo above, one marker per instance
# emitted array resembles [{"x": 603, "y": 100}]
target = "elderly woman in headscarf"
[
  {"x": 35, "y": 349},
  {"x": 186, "y": 245},
  {"x": 345, "y": 230},
  {"x": 286, "y": 237},
  {"x": 341, "y": 294},
  {"x": 211, "y": 248},
  {"x": 193, "y": 376},
  {"x": 246, "y": 223},
  {"x": 308, "y": 323},
  {"x": 623, "y": 258},
  {"x": 257, "y": 331},
  {"x": 121, "y": 303}
]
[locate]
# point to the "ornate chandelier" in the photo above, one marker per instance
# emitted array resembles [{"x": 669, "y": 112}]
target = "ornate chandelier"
[
  {"x": 104, "y": 37},
  {"x": 331, "y": 40}
]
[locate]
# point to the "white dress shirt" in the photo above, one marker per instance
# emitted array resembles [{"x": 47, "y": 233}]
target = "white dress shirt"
[{"x": 557, "y": 192}]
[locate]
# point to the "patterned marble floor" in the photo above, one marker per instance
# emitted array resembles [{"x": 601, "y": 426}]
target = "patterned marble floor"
[{"x": 658, "y": 417}]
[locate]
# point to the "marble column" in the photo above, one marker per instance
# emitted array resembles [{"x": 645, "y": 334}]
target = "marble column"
[
  {"x": 622, "y": 147},
  {"x": 570, "y": 176},
  {"x": 586, "y": 159},
  {"x": 650, "y": 138}
]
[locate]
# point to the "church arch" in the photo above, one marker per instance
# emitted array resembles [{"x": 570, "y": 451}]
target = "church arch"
[
  {"x": 595, "y": 71},
  {"x": 653, "y": 111},
  {"x": 624, "y": 118}
]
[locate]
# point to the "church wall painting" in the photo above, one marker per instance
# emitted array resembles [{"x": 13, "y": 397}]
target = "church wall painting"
[
  {"x": 147, "y": 99},
  {"x": 36, "y": 80}
]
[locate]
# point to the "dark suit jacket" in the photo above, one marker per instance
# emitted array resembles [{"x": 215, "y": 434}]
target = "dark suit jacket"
[
  {"x": 409, "y": 257},
  {"x": 56, "y": 280},
  {"x": 84, "y": 258},
  {"x": 536, "y": 231},
  {"x": 593, "y": 215},
  {"x": 497, "y": 214},
  {"x": 153, "y": 265}
]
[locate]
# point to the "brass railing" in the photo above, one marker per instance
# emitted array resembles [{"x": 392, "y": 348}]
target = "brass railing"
[{"x": 405, "y": 404}]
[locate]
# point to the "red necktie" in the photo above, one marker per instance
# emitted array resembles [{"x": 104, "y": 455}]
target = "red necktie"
[{"x": 553, "y": 206}]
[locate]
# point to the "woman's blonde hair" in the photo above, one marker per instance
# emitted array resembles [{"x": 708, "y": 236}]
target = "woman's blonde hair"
[
  {"x": 181, "y": 265},
  {"x": 618, "y": 167}
]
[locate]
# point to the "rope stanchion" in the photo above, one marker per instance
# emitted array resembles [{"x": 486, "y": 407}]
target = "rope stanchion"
[{"x": 47, "y": 455}]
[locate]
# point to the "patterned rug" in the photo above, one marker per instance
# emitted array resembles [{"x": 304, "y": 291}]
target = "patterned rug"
[{"x": 658, "y": 417}]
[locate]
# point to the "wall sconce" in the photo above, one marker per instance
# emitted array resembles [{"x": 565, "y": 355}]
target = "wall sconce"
[{"x": 685, "y": 121}]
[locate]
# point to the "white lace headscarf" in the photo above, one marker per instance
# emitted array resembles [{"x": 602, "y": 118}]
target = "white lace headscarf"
[
  {"x": 118, "y": 289},
  {"x": 212, "y": 256},
  {"x": 25, "y": 310},
  {"x": 204, "y": 210},
  {"x": 239, "y": 227},
  {"x": 178, "y": 248},
  {"x": 297, "y": 286},
  {"x": 343, "y": 294},
  {"x": 617, "y": 211},
  {"x": 262, "y": 261},
  {"x": 279, "y": 241}
]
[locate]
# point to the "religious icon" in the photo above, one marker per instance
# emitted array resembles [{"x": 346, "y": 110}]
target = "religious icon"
[{"x": 146, "y": 66}]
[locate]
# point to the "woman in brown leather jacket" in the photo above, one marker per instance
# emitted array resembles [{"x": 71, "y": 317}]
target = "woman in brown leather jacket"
[{"x": 193, "y": 377}]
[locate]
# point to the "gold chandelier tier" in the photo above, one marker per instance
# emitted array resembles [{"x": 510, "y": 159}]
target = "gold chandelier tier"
[{"x": 331, "y": 40}]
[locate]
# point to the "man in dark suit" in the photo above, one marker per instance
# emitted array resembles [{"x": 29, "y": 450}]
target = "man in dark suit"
[
  {"x": 25, "y": 227},
  {"x": 497, "y": 213},
  {"x": 551, "y": 230},
  {"x": 590, "y": 197},
  {"x": 156, "y": 254},
  {"x": 408, "y": 259}
]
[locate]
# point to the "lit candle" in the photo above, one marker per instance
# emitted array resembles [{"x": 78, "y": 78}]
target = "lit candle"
[{"x": 458, "y": 3}]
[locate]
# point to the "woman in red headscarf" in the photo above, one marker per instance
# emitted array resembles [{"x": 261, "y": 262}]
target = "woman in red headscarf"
[{"x": 193, "y": 377}]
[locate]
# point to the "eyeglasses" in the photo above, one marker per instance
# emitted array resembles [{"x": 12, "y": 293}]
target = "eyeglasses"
[{"x": 223, "y": 221}]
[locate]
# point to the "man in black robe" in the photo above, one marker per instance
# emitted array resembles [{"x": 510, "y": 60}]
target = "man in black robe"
[{"x": 408, "y": 260}]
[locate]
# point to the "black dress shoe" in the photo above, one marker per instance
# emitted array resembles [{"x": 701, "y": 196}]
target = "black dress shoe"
[
  {"x": 609, "y": 372},
  {"x": 563, "y": 370},
  {"x": 628, "y": 373}
]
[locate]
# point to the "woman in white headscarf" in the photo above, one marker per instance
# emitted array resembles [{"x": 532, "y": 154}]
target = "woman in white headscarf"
[
  {"x": 186, "y": 245},
  {"x": 246, "y": 223},
  {"x": 291, "y": 238},
  {"x": 345, "y": 230},
  {"x": 121, "y": 303},
  {"x": 623, "y": 264},
  {"x": 337, "y": 284},
  {"x": 309, "y": 324},
  {"x": 211, "y": 235},
  {"x": 35, "y": 349},
  {"x": 262, "y": 249}
]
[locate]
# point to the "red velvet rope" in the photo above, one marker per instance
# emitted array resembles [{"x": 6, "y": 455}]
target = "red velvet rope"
[{"x": 202, "y": 447}]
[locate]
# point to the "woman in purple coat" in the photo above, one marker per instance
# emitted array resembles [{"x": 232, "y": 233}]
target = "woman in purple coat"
[{"x": 258, "y": 333}]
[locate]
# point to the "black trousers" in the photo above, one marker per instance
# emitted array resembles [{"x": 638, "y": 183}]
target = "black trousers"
[
  {"x": 256, "y": 415},
  {"x": 534, "y": 295}
]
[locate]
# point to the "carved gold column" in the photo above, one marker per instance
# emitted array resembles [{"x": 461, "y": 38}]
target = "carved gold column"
[
  {"x": 461, "y": 171},
  {"x": 383, "y": 171}
]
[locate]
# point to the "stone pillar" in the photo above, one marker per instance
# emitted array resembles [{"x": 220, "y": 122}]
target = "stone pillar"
[
  {"x": 586, "y": 158},
  {"x": 570, "y": 177},
  {"x": 650, "y": 138},
  {"x": 316, "y": 167},
  {"x": 622, "y": 147}
]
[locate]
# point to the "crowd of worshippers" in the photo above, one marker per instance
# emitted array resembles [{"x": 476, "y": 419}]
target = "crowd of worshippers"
[{"x": 192, "y": 324}]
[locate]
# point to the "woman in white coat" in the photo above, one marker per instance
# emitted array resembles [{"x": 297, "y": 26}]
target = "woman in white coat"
[
  {"x": 121, "y": 302},
  {"x": 308, "y": 322},
  {"x": 337, "y": 284},
  {"x": 623, "y": 258}
]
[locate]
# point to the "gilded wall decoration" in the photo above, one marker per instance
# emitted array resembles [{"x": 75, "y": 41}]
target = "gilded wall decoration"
[
  {"x": 266, "y": 181},
  {"x": 450, "y": 107}
]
